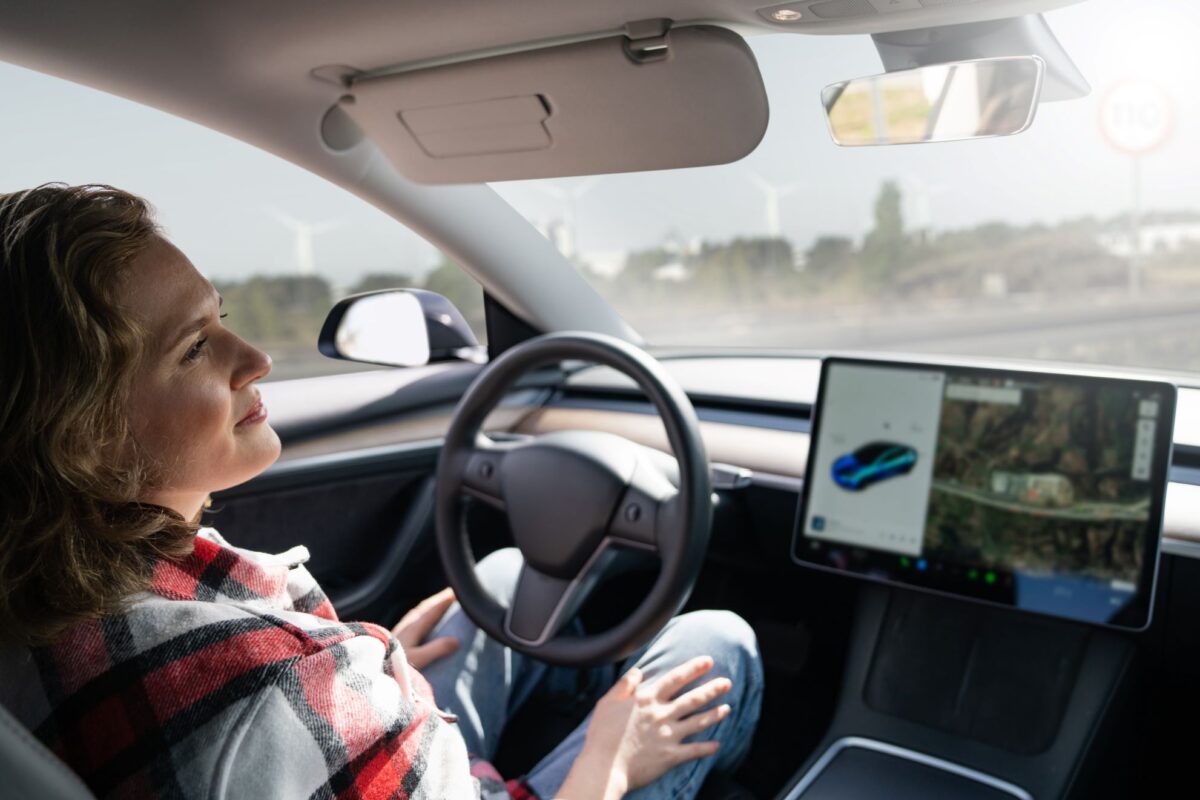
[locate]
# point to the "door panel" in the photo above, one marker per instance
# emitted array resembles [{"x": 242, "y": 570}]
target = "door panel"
[{"x": 359, "y": 528}]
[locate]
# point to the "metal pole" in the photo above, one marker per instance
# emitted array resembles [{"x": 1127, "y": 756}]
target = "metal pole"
[{"x": 1135, "y": 232}]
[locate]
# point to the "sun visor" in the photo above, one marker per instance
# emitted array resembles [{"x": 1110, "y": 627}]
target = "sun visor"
[{"x": 687, "y": 97}]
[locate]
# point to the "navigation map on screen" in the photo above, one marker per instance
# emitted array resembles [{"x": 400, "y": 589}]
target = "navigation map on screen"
[{"x": 1038, "y": 491}]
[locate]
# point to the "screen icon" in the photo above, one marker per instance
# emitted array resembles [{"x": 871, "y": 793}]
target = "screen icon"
[{"x": 1143, "y": 449}]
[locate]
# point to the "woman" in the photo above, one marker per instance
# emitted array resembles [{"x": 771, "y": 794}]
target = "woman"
[{"x": 156, "y": 659}]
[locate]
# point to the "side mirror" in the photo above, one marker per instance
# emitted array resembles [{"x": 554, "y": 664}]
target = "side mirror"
[
  {"x": 398, "y": 328},
  {"x": 936, "y": 103}
]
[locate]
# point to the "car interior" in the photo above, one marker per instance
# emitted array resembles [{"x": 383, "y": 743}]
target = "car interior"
[{"x": 970, "y": 576}]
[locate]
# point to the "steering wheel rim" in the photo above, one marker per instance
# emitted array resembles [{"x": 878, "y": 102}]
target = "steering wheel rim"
[{"x": 562, "y": 541}]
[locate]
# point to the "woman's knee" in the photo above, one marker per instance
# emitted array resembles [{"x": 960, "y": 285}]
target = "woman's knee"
[
  {"x": 733, "y": 647},
  {"x": 724, "y": 636}
]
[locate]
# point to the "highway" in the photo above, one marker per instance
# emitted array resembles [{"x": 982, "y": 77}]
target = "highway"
[
  {"x": 1090, "y": 511},
  {"x": 1160, "y": 331}
]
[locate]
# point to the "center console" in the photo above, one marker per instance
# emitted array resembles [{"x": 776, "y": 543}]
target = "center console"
[{"x": 959, "y": 700}]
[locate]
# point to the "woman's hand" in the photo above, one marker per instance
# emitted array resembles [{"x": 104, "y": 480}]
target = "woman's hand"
[
  {"x": 414, "y": 626},
  {"x": 637, "y": 729}
]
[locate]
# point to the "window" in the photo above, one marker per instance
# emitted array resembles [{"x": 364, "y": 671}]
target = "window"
[{"x": 279, "y": 243}]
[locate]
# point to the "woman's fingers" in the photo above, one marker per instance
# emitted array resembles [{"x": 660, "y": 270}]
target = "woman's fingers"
[
  {"x": 430, "y": 610},
  {"x": 423, "y": 655},
  {"x": 437, "y": 648},
  {"x": 417, "y": 623},
  {"x": 701, "y": 696},
  {"x": 674, "y": 680},
  {"x": 702, "y": 721},
  {"x": 690, "y": 751},
  {"x": 626, "y": 683}
]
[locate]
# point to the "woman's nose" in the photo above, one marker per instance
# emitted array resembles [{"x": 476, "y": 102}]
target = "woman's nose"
[{"x": 253, "y": 365}]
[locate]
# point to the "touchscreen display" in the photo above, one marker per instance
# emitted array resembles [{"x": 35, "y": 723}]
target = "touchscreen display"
[{"x": 1038, "y": 491}]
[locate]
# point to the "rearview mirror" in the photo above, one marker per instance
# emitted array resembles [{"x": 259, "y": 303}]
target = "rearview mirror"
[
  {"x": 937, "y": 103},
  {"x": 398, "y": 328}
]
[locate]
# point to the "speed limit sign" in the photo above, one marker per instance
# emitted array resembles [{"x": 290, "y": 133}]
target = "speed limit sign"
[{"x": 1136, "y": 116}]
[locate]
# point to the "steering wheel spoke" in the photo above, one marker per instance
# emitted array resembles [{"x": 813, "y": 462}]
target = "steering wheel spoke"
[
  {"x": 543, "y": 604},
  {"x": 644, "y": 514},
  {"x": 483, "y": 466}
]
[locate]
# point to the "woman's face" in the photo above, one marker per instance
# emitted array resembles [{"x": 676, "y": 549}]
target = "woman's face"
[{"x": 194, "y": 409}]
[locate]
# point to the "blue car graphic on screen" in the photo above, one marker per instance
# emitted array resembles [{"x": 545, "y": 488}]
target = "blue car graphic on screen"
[{"x": 872, "y": 463}]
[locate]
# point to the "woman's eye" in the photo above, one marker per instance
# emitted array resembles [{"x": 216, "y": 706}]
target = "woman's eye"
[{"x": 194, "y": 352}]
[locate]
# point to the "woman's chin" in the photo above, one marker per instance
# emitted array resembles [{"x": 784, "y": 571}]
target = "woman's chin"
[
  {"x": 274, "y": 447},
  {"x": 261, "y": 449}
]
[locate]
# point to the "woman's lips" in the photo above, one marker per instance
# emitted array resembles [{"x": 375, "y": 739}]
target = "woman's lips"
[{"x": 257, "y": 413}]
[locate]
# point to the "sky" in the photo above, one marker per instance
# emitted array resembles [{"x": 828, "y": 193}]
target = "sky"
[{"x": 220, "y": 198}]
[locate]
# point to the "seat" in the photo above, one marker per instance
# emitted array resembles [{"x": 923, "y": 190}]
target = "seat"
[{"x": 30, "y": 770}]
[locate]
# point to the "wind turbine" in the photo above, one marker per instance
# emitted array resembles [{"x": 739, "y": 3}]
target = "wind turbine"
[
  {"x": 569, "y": 198},
  {"x": 773, "y": 194},
  {"x": 305, "y": 231}
]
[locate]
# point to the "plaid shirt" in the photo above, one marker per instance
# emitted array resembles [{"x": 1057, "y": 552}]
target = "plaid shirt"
[{"x": 233, "y": 677}]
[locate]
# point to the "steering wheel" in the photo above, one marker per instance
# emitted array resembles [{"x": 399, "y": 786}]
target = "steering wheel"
[{"x": 574, "y": 500}]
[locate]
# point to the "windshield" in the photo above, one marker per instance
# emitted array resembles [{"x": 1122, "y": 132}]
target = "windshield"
[{"x": 1077, "y": 240}]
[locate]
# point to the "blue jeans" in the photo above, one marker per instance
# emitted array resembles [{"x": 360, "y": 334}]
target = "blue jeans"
[{"x": 484, "y": 683}]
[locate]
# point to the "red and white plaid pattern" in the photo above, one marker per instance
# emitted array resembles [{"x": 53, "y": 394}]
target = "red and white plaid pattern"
[{"x": 233, "y": 677}]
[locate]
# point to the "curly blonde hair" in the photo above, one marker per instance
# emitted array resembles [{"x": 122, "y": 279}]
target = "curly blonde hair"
[{"x": 74, "y": 540}]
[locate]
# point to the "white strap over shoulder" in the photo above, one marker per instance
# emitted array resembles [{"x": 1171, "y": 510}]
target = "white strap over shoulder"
[{"x": 291, "y": 558}]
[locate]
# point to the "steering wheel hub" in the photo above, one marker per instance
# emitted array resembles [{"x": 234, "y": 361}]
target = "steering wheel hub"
[{"x": 560, "y": 493}]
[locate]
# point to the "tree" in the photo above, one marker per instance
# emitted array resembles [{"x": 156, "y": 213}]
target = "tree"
[
  {"x": 828, "y": 254},
  {"x": 287, "y": 309},
  {"x": 375, "y": 281},
  {"x": 885, "y": 247},
  {"x": 641, "y": 264},
  {"x": 744, "y": 270}
]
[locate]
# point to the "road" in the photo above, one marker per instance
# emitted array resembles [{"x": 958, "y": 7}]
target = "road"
[
  {"x": 1161, "y": 331},
  {"x": 1090, "y": 511}
]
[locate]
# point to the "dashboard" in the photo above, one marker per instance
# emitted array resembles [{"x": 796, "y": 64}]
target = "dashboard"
[{"x": 756, "y": 412}]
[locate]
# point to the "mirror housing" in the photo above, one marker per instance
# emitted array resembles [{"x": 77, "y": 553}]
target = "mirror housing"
[
  {"x": 937, "y": 103},
  {"x": 398, "y": 328},
  {"x": 1015, "y": 36}
]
